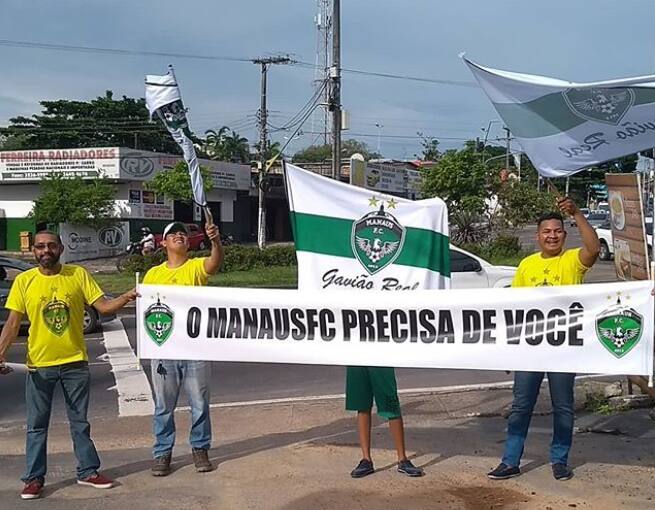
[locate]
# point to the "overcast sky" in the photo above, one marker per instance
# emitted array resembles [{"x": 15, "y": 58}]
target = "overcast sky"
[{"x": 570, "y": 39}]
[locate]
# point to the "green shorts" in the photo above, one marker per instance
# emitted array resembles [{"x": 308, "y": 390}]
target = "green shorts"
[{"x": 364, "y": 383}]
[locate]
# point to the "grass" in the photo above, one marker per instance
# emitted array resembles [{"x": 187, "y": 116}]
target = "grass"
[{"x": 266, "y": 277}]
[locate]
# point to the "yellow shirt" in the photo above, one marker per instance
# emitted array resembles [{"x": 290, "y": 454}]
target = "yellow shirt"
[
  {"x": 192, "y": 272},
  {"x": 538, "y": 271},
  {"x": 55, "y": 308}
]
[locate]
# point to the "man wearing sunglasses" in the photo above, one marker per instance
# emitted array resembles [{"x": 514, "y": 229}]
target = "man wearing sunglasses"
[
  {"x": 169, "y": 376},
  {"x": 52, "y": 295}
]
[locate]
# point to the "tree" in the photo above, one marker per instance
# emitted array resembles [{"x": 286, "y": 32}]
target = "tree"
[
  {"x": 226, "y": 145},
  {"x": 519, "y": 203},
  {"x": 175, "y": 183},
  {"x": 461, "y": 180},
  {"x": 74, "y": 200},
  {"x": 430, "y": 147},
  {"x": 101, "y": 122},
  {"x": 320, "y": 153}
]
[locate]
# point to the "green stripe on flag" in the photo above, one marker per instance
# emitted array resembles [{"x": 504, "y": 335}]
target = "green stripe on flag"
[
  {"x": 550, "y": 115},
  {"x": 332, "y": 236}
]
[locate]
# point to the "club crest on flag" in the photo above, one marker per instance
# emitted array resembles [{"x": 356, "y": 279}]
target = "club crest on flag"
[
  {"x": 158, "y": 320},
  {"x": 174, "y": 115},
  {"x": 619, "y": 328},
  {"x": 377, "y": 239},
  {"x": 601, "y": 105}
]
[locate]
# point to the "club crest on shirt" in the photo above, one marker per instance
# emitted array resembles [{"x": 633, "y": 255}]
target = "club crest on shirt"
[{"x": 56, "y": 316}]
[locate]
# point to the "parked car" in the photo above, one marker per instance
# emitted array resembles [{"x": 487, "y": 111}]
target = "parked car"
[
  {"x": 197, "y": 238},
  {"x": 585, "y": 212},
  {"x": 604, "y": 232},
  {"x": 468, "y": 271},
  {"x": 598, "y": 217},
  {"x": 10, "y": 267}
]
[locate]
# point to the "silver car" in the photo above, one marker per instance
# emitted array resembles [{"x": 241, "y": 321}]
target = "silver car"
[{"x": 10, "y": 267}]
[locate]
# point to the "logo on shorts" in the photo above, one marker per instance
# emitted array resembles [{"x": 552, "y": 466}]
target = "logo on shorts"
[
  {"x": 56, "y": 316},
  {"x": 377, "y": 239},
  {"x": 600, "y": 105},
  {"x": 619, "y": 328},
  {"x": 159, "y": 322}
]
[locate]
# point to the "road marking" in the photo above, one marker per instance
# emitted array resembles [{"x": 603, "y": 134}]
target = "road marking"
[
  {"x": 134, "y": 397},
  {"x": 437, "y": 390}
]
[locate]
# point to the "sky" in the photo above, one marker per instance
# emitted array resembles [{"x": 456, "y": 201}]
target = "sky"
[{"x": 577, "y": 40}]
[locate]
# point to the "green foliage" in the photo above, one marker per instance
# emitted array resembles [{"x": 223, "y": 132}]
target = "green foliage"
[
  {"x": 320, "y": 153},
  {"x": 227, "y": 145},
  {"x": 74, "y": 200},
  {"x": 237, "y": 258},
  {"x": 520, "y": 203},
  {"x": 101, "y": 122},
  {"x": 460, "y": 179},
  {"x": 503, "y": 250},
  {"x": 175, "y": 184},
  {"x": 430, "y": 148}
]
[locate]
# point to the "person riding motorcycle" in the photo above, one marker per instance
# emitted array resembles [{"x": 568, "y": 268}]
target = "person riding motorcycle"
[{"x": 147, "y": 241}]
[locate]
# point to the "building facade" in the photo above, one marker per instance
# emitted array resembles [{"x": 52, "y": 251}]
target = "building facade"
[{"x": 21, "y": 173}]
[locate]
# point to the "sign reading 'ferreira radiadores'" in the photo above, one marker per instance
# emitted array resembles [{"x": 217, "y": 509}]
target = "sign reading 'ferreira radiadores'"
[{"x": 599, "y": 328}]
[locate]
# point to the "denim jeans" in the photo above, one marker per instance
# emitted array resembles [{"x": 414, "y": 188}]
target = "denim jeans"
[
  {"x": 74, "y": 379},
  {"x": 526, "y": 391},
  {"x": 168, "y": 376}
]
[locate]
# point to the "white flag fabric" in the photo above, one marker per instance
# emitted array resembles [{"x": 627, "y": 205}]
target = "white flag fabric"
[
  {"x": 565, "y": 126},
  {"x": 349, "y": 238},
  {"x": 163, "y": 99},
  {"x": 559, "y": 329}
]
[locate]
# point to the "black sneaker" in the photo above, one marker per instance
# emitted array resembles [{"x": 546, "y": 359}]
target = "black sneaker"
[
  {"x": 503, "y": 472},
  {"x": 364, "y": 468},
  {"x": 161, "y": 465},
  {"x": 406, "y": 467},
  {"x": 562, "y": 472}
]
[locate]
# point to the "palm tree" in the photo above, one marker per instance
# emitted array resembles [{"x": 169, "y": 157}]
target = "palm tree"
[
  {"x": 215, "y": 143},
  {"x": 238, "y": 148}
]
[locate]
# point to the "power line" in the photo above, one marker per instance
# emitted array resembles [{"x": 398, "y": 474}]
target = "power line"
[{"x": 129, "y": 52}]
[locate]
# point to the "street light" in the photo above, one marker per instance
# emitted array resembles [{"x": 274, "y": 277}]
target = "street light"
[
  {"x": 486, "y": 134},
  {"x": 379, "y": 126}
]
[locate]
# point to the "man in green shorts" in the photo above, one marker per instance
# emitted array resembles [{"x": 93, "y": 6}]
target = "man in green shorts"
[{"x": 362, "y": 385}]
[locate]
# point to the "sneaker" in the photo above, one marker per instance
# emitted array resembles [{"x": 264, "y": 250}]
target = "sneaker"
[
  {"x": 406, "y": 467},
  {"x": 562, "y": 472},
  {"x": 161, "y": 466},
  {"x": 32, "y": 489},
  {"x": 503, "y": 472},
  {"x": 364, "y": 468},
  {"x": 201, "y": 460},
  {"x": 98, "y": 481}
]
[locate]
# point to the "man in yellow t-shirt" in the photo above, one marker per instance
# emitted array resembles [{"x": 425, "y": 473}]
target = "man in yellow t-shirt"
[
  {"x": 168, "y": 376},
  {"x": 552, "y": 265},
  {"x": 53, "y": 295}
]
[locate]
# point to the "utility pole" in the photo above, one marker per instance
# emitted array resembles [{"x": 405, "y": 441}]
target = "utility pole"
[
  {"x": 263, "y": 145},
  {"x": 507, "y": 150},
  {"x": 335, "y": 78}
]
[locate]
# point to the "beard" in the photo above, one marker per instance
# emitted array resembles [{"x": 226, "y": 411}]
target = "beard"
[{"x": 48, "y": 260}]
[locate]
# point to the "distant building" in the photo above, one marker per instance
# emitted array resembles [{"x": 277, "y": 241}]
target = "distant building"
[{"x": 231, "y": 201}]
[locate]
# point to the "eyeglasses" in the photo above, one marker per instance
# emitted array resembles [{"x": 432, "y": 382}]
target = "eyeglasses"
[
  {"x": 179, "y": 234},
  {"x": 43, "y": 246}
]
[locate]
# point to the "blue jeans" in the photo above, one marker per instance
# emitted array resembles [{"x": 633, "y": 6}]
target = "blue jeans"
[
  {"x": 74, "y": 379},
  {"x": 526, "y": 391},
  {"x": 168, "y": 376}
]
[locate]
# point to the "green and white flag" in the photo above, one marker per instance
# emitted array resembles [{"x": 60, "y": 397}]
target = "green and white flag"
[
  {"x": 349, "y": 238},
  {"x": 564, "y": 126},
  {"x": 163, "y": 99}
]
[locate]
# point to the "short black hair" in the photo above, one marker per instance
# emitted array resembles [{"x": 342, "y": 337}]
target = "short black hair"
[
  {"x": 50, "y": 233},
  {"x": 550, "y": 216}
]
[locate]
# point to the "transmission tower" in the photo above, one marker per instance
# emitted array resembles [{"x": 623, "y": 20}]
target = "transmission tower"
[{"x": 323, "y": 22}]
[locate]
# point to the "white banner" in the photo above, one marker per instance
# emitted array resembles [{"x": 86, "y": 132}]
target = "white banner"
[
  {"x": 565, "y": 126},
  {"x": 598, "y": 328}
]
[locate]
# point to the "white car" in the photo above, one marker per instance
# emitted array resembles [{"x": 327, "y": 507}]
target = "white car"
[
  {"x": 604, "y": 232},
  {"x": 468, "y": 271}
]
